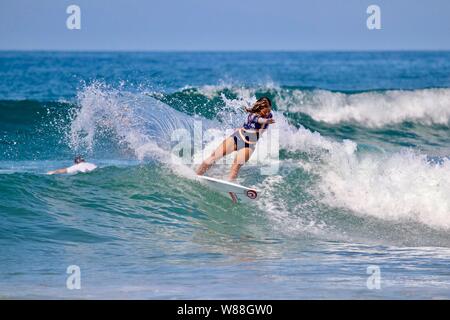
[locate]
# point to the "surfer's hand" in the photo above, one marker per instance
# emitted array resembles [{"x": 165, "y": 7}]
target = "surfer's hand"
[{"x": 270, "y": 121}]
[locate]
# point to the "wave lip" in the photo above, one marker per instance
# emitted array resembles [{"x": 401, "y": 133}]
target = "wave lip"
[{"x": 375, "y": 109}]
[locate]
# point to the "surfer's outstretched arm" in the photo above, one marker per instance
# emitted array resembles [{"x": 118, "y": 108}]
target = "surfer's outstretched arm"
[
  {"x": 266, "y": 121},
  {"x": 59, "y": 171},
  {"x": 225, "y": 148}
]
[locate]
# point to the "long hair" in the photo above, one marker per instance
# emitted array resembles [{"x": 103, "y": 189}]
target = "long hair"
[{"x": 260, "y": 104}]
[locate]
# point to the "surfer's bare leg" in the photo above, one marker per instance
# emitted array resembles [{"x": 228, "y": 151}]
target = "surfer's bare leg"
[
  {"x": 225, "y": 148},
  {"x": 242, "y": 157}
]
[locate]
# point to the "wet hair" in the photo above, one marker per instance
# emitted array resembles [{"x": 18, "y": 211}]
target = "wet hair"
[
  {"x": 78, "y": 159},
  {"x": 260, "y": 104}
]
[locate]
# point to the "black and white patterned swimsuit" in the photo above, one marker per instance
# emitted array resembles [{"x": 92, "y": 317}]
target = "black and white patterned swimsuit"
[{"x": 247, "y": 136}]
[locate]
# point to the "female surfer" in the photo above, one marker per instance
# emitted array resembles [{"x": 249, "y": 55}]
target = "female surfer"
[{"x": 244, "y": 139}]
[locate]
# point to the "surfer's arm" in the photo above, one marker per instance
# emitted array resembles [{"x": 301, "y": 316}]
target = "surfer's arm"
[
  {"x": 265, "y": 121},
  {"x": 59, "y": 171}
]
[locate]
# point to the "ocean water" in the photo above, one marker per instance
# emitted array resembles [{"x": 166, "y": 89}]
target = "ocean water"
[{"x": 358, "y": 208}]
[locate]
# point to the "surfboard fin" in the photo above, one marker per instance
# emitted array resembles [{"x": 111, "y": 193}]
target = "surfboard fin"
[{"x": 233, "y": 197}]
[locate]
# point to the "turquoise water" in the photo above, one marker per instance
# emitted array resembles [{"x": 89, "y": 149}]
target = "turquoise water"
[{"x": 363, "y": 176}]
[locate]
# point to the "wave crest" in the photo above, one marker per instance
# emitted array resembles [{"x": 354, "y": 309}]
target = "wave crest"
[{"x": 374, "y": 109}]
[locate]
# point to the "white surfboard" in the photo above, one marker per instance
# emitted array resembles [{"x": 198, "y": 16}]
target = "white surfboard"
[{"x": 233, "y": 190}]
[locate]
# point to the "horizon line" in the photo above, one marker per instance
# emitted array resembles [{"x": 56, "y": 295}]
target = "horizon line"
[{"x": 218, "y": 50}]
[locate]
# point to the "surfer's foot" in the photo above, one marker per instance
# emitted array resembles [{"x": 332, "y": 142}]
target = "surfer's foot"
[
  {"x": 203, "y": 168},
  {"x": 206, "y": 164}
]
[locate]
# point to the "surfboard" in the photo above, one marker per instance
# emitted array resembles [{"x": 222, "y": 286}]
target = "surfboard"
[{"x": 237, "y": 192}]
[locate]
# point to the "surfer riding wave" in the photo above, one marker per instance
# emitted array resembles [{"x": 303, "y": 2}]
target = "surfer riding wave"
[{"x": 244, "y": 139}]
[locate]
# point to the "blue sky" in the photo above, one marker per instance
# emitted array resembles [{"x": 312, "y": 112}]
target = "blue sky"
[{"x": 225, "y": 25}]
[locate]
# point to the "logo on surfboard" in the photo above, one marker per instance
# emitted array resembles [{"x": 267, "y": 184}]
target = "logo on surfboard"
[{"x": 252, "y": 194}]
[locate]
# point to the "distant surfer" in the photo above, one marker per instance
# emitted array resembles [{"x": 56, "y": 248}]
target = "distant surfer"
[
  {"x": 80, "y": 166},
  {"x": 244, "y": 139}
]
